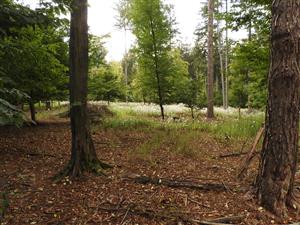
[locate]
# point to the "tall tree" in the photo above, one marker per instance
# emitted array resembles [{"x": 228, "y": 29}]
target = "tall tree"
[
  {"x": 221, "y": 60},
  {"x": 152, "y": 25},
  {"x": 123, "y": 23},
  {"x": 226, "y": 58},
  {"x": 210, "y": 61},
  {"x": 275, "y": 181},
  {"x": 83, "y": 154}
]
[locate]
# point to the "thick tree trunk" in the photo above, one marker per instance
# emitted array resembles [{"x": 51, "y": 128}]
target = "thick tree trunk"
[
  {"x": 32, "y": 111},
  {"x": 275, "y": 180},
  {"x": 83, "y": 154},
  {"x": 210, "y": 62}
]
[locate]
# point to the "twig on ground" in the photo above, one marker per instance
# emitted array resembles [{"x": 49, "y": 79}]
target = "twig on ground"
[
  {"x": 198, "y": 203},
  {"x": 227, "y": 188},
  {"x": 122, "y": 222}
]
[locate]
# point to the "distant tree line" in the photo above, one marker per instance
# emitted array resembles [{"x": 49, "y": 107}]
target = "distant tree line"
[{"x": 158, "y": 68}]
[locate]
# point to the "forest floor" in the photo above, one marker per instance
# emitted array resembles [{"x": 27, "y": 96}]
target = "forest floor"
[{"x": 31, "y": 156}]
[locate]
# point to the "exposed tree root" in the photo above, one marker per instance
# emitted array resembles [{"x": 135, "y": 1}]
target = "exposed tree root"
[
  {"x": 72, "y": 170},
  {"x": 293, "y": 200},
  {"x": 177, "y": 183}
]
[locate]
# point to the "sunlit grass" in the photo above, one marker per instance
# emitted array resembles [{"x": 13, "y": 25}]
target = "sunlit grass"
[
  {"x": 182, "y": 136},
  {"x": 224, "y": 126},
  {"x": 52, "y": 114},
  {"x": 243, "y": 128}
]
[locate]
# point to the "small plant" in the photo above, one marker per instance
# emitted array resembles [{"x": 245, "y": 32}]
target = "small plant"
[{"x": 4, "y": 204}]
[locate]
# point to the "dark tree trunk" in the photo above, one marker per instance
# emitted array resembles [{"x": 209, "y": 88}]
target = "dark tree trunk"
[
  {"x": 83, "y": 154},
  {"x": 275, "y": 180},
  {"x": 192, "y": 112},
  {"x": 210, "y": 62},
  {"x": 157, "y": 73},
  {"x": 32, "y": 111},
  {"x": 48, "y": 105}
]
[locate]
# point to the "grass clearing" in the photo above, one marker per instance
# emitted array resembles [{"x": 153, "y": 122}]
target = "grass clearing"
[
  {"x": 224, "y": 127},
  {"x": 180, "y": 136}
]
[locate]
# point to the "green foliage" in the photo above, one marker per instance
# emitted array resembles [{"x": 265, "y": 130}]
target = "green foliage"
[
  {"x": 104, "y": 84},
  {"x": 249, "y": 72},
  {"x": 123, "y": 14},
  {"x": 200, "y": 54},
  {"x": 33, "y": 58},
  {"x": 13, "y": 15},
  {"x": 97, "y": 51},
  {"x": 9, "y": 113},
  {"x": 4, "y": 204},
  {"x": 152, "y": 26},
  {"x": 192, "y": 92},
  {"x": 34, "y": 62},
  {"x": 251, "y": 14}
]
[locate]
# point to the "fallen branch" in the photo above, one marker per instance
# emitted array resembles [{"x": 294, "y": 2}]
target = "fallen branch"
[
  {"x": 246, "y": 162},
  {"x": 173, "y": 216},
  {"x": 228, "y": 219},
  {"x": 235, "y": 154},
  {"x": 177, "y": 183},
  {"x": 41, "y": 154}
]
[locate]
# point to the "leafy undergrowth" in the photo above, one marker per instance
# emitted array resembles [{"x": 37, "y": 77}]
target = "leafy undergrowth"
[{"x": 30, "y": 156}]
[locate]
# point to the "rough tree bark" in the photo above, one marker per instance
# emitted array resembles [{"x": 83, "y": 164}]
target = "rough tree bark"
[
  {"x": 83, "y": 154},
  {"x": 210, "y": 62},
  {"x": 275, "y": 180}
]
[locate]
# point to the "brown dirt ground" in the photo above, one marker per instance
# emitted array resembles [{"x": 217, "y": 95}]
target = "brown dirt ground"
[{"x": 35, "y": 199}]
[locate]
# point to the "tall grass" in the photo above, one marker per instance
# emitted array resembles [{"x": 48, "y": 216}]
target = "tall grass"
[
  {"x": 233, "y": 128},
  {"x": 229, "y": 127}
]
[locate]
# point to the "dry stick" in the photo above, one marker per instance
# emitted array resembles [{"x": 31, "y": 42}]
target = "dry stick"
[
  {"x": 177, "y": 183},
  {"x": 198, "y": 203},
  {"x": 235, "y": 154},
  {"x": 246, "y": 162},
  {"x": 123, "y": 220}
]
